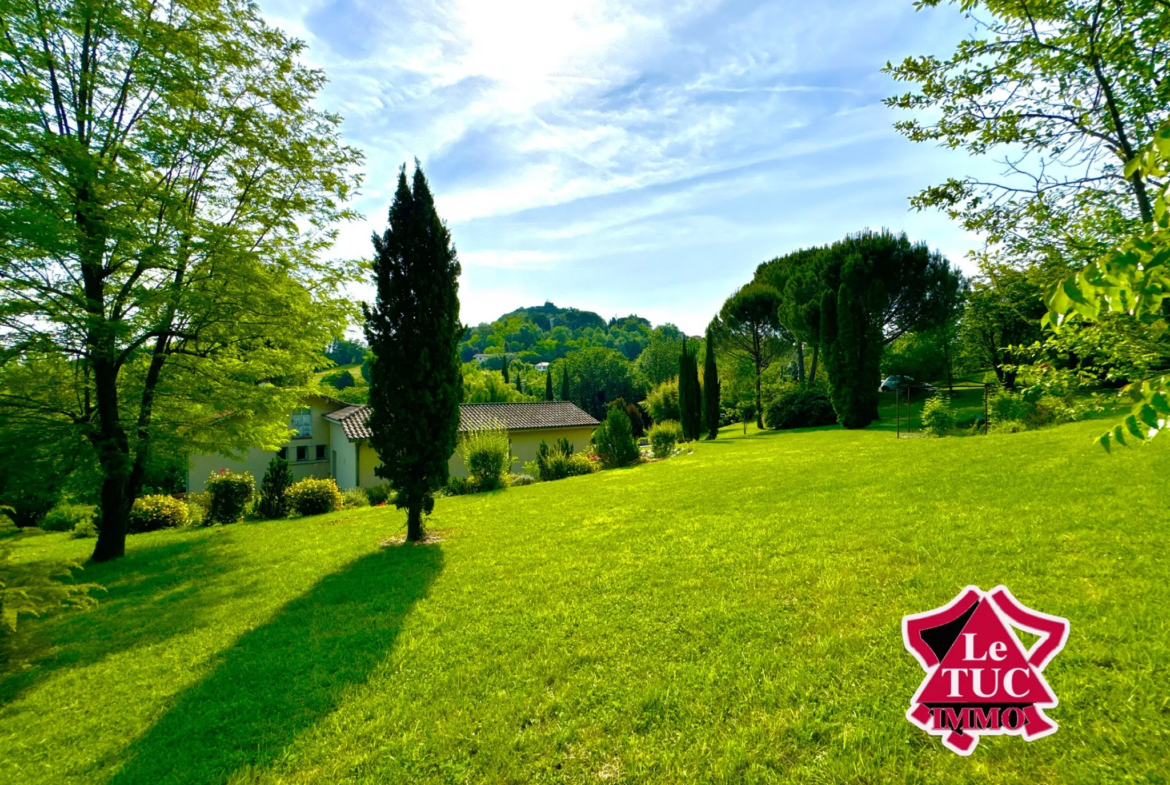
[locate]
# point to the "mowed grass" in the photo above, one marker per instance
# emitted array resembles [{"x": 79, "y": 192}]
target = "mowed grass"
[{"x": 732, "y": 615}]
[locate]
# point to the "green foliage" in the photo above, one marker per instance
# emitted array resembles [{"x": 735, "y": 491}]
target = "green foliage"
[
  {"x": 345, "y": 352},
  {"x": 749, "y": 327},
  {"x": 599, "y": 376},
  {"x": 65, "y": 516},
  {"x": 339, "y": 380},
  {"x": 36, "y": 589},
  {"x": 521, "y": 480},
  {"x": 1007, "y": 426},
  {"x": 1130, "y": 283},
  {"x": 151, "y": 513},
  {"x": 658, "y": 363},
  {"x": 1003, "y": 313},
  {"x": 548, "y": 333},
  {"x": 635, "y": 415},
  {"x": 458, "y": 486},
  {"x": 355, "y": 497},
  {"x": 1065, "y": 90},
  {"x": 664, "y": 437},
  {"x": 313, "y": 496},
  {"x": 690, "y": 397},
  {"x": 662, "y": 402},
  {"x": 614, "y": 440},
  {"x": 273, "y": 502},
  {"x": 800, "y": 407},
  {"x": 487, "y": 454},
  {"x": 84, "y": 530},
  {"x": 937, "y": 416},
  {"x": 482, "y": 386},
  {"x": 1031, "y": 408},
  {"x": 379, "y": 494},
  {"x": 711, "y": 415},
  {"x": 167, "y": 230},
  {"x": 413, "y": 331},
  {"x": 230, "y": 493},
  {"x": 557, "y": 461},
  {"x": 548, "y": 385}
]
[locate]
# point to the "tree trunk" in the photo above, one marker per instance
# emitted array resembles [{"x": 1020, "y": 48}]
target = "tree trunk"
[
  {"x": 111, "y": 541},
  {"x": 800, "y": 362},
  {"x": 759, "y": 400},
  {"x": 414, "y": 527}
]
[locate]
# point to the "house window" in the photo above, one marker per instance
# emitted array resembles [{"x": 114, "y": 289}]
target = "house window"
[
  {"x": 302, "y": 453},
  {"x": 320, "y": 452},
  {"x": 282, "y": 453},
  {"x": 302, "y": 423}
]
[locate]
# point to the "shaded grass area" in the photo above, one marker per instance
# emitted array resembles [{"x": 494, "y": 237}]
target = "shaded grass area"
[{"x": 731, "y": 615}]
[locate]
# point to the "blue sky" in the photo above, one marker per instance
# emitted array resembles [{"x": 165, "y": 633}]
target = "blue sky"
[{"x": 631, "y": 156}]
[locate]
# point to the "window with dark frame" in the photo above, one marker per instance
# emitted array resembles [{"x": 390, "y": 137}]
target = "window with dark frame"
[
  {"x": 282, "y": 453},
  {"x": 320, "y": 452},
  {"x": 302, "y": 453}
]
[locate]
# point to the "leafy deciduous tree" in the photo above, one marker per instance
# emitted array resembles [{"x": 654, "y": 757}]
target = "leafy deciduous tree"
[{"x": 167, "y": 190}]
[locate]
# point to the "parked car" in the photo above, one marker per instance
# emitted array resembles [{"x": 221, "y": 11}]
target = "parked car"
[{"x": 892, "y": 383}]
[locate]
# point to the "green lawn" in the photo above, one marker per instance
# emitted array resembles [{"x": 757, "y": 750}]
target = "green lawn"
[{"x": 728, "y": 616}]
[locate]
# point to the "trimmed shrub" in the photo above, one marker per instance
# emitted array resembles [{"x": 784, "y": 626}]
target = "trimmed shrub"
[
  {"x": 312, "y": 496},
  {"x": 230, "y": 493},
  {"x": 65, "y": 517},
  {"x": 355, "y": 497},
  {"x": 84, "y": 530},
  {"x": 614, "y": 440},
  {"x": 488, "y": 457},
  {"x": 151, "y": 513},
  {"x": 800, "y": 408},
  {"x": 664, "y": 437},
  {"x": 937, "y": 417},
  {"x": 1031, "y": 410},
  {"x": 380, "y": 494},
  {"x": 277, "y": 479}
]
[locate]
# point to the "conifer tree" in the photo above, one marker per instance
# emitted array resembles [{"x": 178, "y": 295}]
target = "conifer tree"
[
  {"x": 548, "y": 392},
  {"x": 689, "y": 395},
  {"x": 413, "y": 332},
  {"x": 565, "y": 390},
  {"x": 710, "y": 387},
  {"x": 506, "y": 369}
]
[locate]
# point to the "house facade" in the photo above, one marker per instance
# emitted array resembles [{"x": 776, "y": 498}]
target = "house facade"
[{"x": 331, "y": 439}]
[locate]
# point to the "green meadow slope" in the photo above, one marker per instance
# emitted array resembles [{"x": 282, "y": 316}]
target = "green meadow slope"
[{"x": 732, "y": 615}]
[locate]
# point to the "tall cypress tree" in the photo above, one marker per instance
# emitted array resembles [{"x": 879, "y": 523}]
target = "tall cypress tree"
[
  {"x": 506, "y": 369},
  {"x": 689, "y": 395},
  {"x": 548, "y": 393},
  {"x": 711, "y": 387},
  {"x": 565, "y": 391},
  {"x": 413, "y": 332}
]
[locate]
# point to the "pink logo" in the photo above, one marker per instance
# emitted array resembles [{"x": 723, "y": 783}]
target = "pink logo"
[{"x": 980, "y": 680}]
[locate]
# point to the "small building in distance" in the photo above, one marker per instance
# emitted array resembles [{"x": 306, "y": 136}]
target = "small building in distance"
[{"x": 330, "y": 438}]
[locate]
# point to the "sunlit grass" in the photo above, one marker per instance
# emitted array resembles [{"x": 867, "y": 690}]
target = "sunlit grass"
[{"x": 731, "y": 615}]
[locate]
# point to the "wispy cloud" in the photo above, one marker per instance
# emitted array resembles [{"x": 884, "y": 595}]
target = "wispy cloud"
[{"x": 629, "y": 156}]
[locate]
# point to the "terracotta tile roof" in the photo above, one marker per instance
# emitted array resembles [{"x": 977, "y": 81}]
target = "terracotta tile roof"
[{"x": 513, "y": 416}]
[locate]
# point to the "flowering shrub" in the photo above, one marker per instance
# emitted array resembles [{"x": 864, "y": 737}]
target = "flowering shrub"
[
  {"x": 230, "y": 493},
  {"x": 151, "y": 513}
]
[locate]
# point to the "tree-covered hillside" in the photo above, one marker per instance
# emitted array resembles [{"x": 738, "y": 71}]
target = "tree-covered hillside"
[{"x": 547, "y": 332}]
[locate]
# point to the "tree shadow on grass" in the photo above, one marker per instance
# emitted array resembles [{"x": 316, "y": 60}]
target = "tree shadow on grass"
[
  {"x": 150, "y": 595},
  {"x": 281, "y": 678}
]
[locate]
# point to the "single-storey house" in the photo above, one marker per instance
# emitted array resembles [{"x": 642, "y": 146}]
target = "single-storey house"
[
  {"x": 331, "y": 439},
  {"x": 542, "y": 366}
]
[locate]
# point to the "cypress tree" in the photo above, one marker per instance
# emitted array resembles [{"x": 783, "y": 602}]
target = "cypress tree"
[
  {"x": 413, "y": 332},
  {"x": 506, "y": 369},
  {"x": 519, "y": 383},
  {"x": 689, "y": 395},
  {"x": 565, "y": 384},
  {"x": 548, "y": 393},
  {"x": 711, "y": 387}
]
